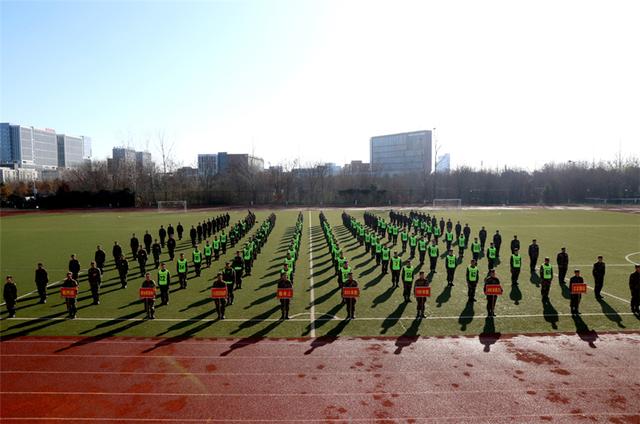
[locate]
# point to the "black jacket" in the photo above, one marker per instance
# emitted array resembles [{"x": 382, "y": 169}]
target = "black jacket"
[
  {"x": 10, "y": 292},
  {"x": 598, "y": 270},
  {"x": 100, "y": 257},
  {"x": 534, "y": 250},
  {"x": 634, "y": 282},
  {"x": 562, "y": 259},
  {"x": 41, "y": 276}
]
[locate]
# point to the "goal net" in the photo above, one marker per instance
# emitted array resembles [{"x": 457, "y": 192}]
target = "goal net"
[
  {"x": 172, "y": 205},
  {"x": 447, "y": 203}
]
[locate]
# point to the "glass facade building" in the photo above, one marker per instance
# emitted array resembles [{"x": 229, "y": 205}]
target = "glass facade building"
[
  {"x": 70, "y": 151},
  {"x": 401, "y": 153}
]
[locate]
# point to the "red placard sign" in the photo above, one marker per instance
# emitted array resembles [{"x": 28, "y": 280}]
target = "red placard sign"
[
  {"x": 493, "y": 289},
  {"x": 350, "y": 292},
  {"x": 422, "y": 291},
  {"x": 69, "y": 292},
  {"x": 219, "y": 293},
  {"x": 578, "y": 288},
  {"x": 284, "y": 293},
  {"x": 147, "y": 293}
]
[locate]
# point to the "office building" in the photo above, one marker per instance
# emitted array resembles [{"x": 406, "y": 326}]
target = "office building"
[
  {"x": 28, "y": 146},
  {"x": 207, "y": 165},
  {"x": 8, "y": 174},
  {"x": 443, "y": 163},
  {"x": 401, "y": 153},
  {"x": 70, "y": 151},
  {"x": 143, "y": 160},
  {"x": 86, "y": 147},
  {"x": 228, "y": 162}
]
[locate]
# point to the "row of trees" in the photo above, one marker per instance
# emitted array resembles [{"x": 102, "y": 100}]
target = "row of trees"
[{"x": 290, "y": 184}]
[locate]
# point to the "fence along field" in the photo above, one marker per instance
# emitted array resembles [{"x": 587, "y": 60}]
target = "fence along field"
[{"x": 316, "y": 306}]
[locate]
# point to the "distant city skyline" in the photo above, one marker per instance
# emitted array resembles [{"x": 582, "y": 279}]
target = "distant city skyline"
[{"x": 503, "y": 83}]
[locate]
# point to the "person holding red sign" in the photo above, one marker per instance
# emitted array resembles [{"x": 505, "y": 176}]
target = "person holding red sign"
[
  {"x": 220, "y": 283},
  {"x": 69, "y": 282},
  {"x": 575, "y": 297},
  {"x": 350, "y": 301},
  {"x": 149, "y": 302},
  {"x": 421, "y": 300},
  {"x": 491, "y": 298},
  {"x": 284, "y": 283},
  {"x": 10, "y": 294}
]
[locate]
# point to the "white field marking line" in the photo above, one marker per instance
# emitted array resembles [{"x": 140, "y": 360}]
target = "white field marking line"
[
  {"x": 309, "y": 313},
  {"x": 323, "y": 420},
  {"x": 333, "y": 394},
  {"x": 585, "y": 314},
  {"x": 626, "y": 258},
  {"x": 312, "y": 312},
  {"x": 605, "y": 293},
  {"x": 326, "y": 373}
]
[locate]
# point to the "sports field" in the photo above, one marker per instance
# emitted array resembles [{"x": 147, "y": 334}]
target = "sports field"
[{"x": 316, "y": 308}]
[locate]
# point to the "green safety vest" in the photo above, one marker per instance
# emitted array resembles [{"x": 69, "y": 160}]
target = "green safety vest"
[
  {"x": 207, "y": 250},
  {"x": 378, "y": 247},
  {"x": 451, "y": 261},
  {"x": 462, "y": 241},
  {"x": 163, "y": 277},
  {"x": 216, "y": 244},
  {"x": 182, "y": 265},
  {"x": 396, "y": 264},
  {"x": 345, "y": 273},
  {"x": 429, "y": 229},
  {"x": 475, "y": 247},
  {"x": 197, "y": 257},
  {"x": 247, "y": 254},
  {"x": 341, "y": 262},
  {"x": 223, "y": 238},
  {"x": 422, "y": 245},
  {"x": 404, "y": 236},
  {"x": 367, "y": 238},
  {"x": 408, "y": 274},
  {"x": 517, "y": 261},
  {"x": 436, "y": 231},
  {"x": 547, "y": 272},
  {"x": 395, "y": 231},
  {"x": 413, "y": 240},
  {"x": 385, "y": 254},
  {"x": 287, "y": 272},
  {"x": 433, "y": 251},
  {"x": 472, "y": 271},
  {"x": 449, "y": 236},
  {"x": 491, "y": 253}
]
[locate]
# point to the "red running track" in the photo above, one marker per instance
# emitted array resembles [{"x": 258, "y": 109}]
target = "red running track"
[{"x": 542, "y": 378}]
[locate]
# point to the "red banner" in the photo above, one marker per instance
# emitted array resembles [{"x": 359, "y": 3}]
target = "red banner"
[
  {"x": 350, "y": 292},
  {"x": 578, "y": 288},
  {"x": 422, "y": 291},
  {"x": 69, "y": 292},
  {"x": 147, "y": 293},
  {"x": 493, "y": 290},
  {"x": 219, "y": 293},
  {"x": 285, "y": 293}
]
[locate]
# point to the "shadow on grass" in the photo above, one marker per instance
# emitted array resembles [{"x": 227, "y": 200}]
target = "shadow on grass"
[
  {"x": 383, "y": 297},
  {"x": 489, "y": 336},
  {"x": 550, "y": 314},
  {"x": 466, "y": 316},
  {"x": 611, "y": 313},
  {"x": 394, "y": 317},
  {"x": 444, "y": 296},
  {"x": 515, "y": 294}
]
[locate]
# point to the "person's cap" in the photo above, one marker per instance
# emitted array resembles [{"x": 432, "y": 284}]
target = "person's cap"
[
  {"x": 599, "y": 256},
  {"x": 576, "y": 270},
  {"x": 546, "y": 258},
  {"x": 563, "y": 248},
  {"x": 492, "y": 270}
]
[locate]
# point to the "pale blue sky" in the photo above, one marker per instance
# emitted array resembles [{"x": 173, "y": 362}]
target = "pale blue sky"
[{"x": 502, "y": 81}]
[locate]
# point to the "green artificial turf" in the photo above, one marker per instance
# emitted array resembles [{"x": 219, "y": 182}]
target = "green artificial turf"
[{"x": 51, "y": 238}]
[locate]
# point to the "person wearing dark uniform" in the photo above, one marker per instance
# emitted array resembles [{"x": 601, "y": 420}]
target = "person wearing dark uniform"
[
  {"x": 216, "y": 248},
  {"x": 492, "y": 254},
  {"x": 515, "y": 264},
  {"x": 458, "y": 228},
  {"x": 491, "y": 299},
  {"x": 421, "y": 302},
  {"x": 563, "y": 265},
  {"x": 70, "y": 302},
  {"x": 413, "y": 242},
  {"x": 462, "y": 244},
  {"x": 150, "y": 303},
  {"x": 199, "y": 232},
  {"x": 74, "y": 267},
  {"x": 476, "y": 248},
  {"x": 422, "y": 249},
  {"x": 219, "y": 283},
  {"x": 179, "y": 230},
  {"x": 164, "y": 282},
  {"x": 10, "y": 295},
  {"x": 534, "y": 252},
  {"x": 94, "y": 276},
  {"x": 42, "y": 279},
  {"x": 574, "y": 303},
  {"x": 284, "y": 283},
  {"x": 171, "y": 247},
  {"x": 482, "y": 235},
  {"x": 497, "y": 242},
  {"x": 351, "y": 301},
  {"x": 466, "y": 231},
  {"x": 193, "y": 234},
  {"x": 196, "y": 257},
  {"x": 546, "y": 275},
  {"x": 472, "y": 280},
  {"x": 229, "y": 277},
  {"x": 434, "y": 252},
  {"x": 598, "y": 276},
  {"x": 182, "y": 268},
  {"x": 101, "y": 257},
  {"x": 123, "y": 270},
  {"x": 142, "y": 260},
  {"x": 404, "y": 238},
  {"x": 515, "y": 244},
  {"x": 407, "y": 281},
  {"x": 386, "y": 255},
  {"x": 634, "y": 288},
  {"x": 396, "y": 266},
  {"x": 238, "y": 266},
  {"x": 450, "y": 262},
  {"x": 170, "y": 231},
  {"x": 116, "y": 252},
  {"x": 134, "y": 243},
  {"x": 156, "y": 250},
  {"x": 162, "y": 233},
  {"x": 223, "y": 242}
]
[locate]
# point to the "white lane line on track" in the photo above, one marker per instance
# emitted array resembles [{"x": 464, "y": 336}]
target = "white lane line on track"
[
  {"x": 626, "y": 258},
  {"x": 312, "y": 314}
]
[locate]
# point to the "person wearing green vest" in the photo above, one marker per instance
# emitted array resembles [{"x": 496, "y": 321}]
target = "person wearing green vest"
[
  {"x": 291, "y": 262},
  {"x": 515, "y": 265},
  {"x": 407, "y": 281},
  {"x": 437, "y": 232},
  {"x": 378, "y": 251},
  {"x": 422, "y": 249},
  {"x": 248, "y": 259},
  {"x": 413, "y": 242},
  {"x": 287, "y": 271},
  {"x": 462, "y": 244},
  {"x": 149, "y": 304},
  {"x": 367, "y": 242},
  {"x": 429, "y": 230},
  {"x": 164, "y": 280},
  {"x": 223, "y": 242},
  {"x": 448, "y": 238},
  {"x": 434, "y": 252},
  {"x": 374, "y": 243},
  {"x": 492, "y": 254},
  {"x": 473, "y": 275},
  {"x": 196, "y": 257},
  {"x": 339, "y": 262},
  {"x": 230, "y": 277},
  {"x": 450, "y": 262},
  {"x": 344, "y": 274},
  {"x": 396, "y": 266},
  {"x": 546, "y": 275},
  {"x": 386, "y": 255},
  {"x": 208, "y": 253},
  {"x": 404, "y": 237},
  {"x": 476, "y": 248},
  {"x": 361, "y": 235},
  {"x": 181, "y": 264},
  {"x": 216, "y": 248}
]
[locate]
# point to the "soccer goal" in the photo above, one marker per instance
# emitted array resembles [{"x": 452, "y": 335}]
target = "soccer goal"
[
  {"x": 447, "y": 203},
  {"x": 172, "y": 205}
]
